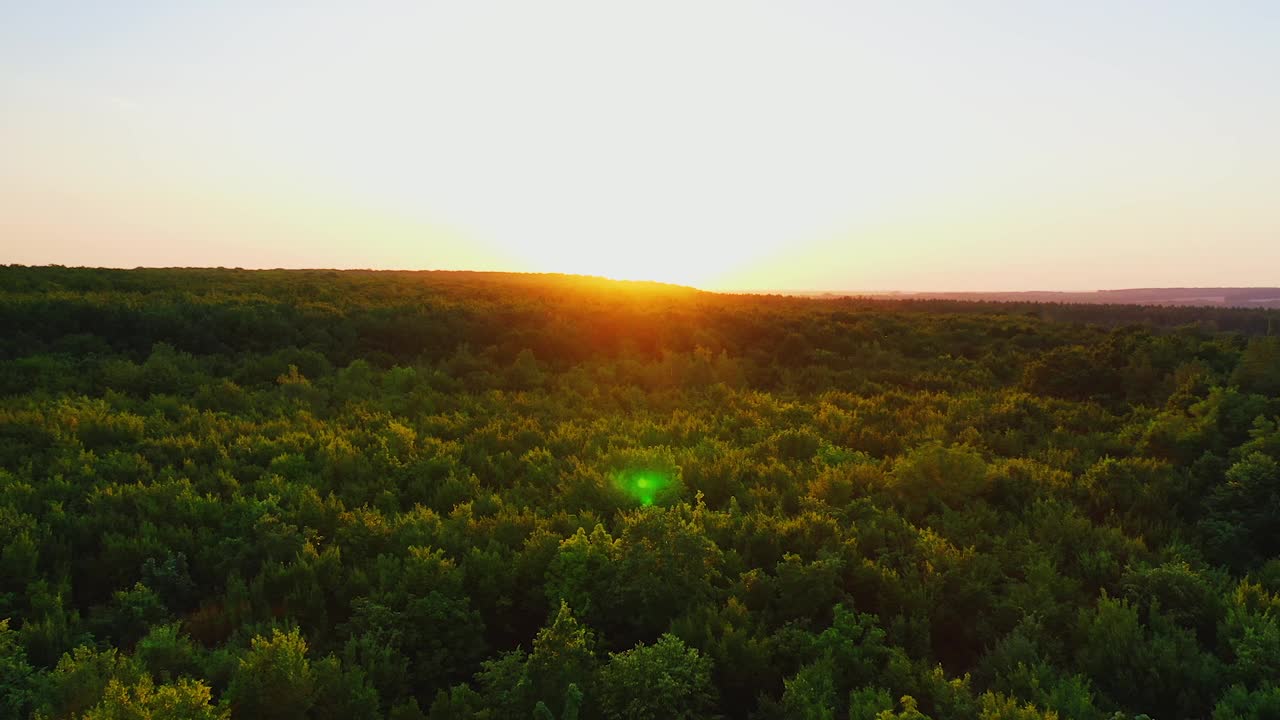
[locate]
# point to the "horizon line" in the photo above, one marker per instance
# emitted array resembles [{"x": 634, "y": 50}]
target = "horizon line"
[{"x": 750, "y": 290}]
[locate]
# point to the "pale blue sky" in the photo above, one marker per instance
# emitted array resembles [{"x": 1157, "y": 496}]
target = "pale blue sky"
[{"x": 889, "y": 145}]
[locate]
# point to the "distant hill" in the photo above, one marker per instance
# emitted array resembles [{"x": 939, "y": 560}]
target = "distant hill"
[{"x": 1257, "y": 297}]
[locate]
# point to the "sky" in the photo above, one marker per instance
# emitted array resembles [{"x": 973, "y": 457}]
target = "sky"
[{"x": 896, "y": 145}]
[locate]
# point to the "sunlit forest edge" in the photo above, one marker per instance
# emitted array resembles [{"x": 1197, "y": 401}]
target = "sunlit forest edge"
[{"x": 356, "y": 494}]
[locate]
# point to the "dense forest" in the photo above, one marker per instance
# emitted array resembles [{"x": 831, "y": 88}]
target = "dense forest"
[{"x": 323, "y": 494}]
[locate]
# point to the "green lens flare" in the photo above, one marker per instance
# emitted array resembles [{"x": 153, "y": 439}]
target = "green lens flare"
[{"x": 643, "y": 485}]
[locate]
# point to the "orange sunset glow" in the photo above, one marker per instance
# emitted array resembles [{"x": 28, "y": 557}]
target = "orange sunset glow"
[
  {"x": 640, "y": 360},
  {"x": 723, "y": 145}
]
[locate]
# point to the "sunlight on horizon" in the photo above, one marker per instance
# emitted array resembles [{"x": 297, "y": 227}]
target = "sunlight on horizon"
[{"x": 723, "y": 145}]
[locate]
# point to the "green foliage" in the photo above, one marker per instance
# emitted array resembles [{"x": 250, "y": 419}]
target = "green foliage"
[
  {"x": 17, "y": 677},
  {"x": 1182, "y": 595},
  {"x": 583, "y": 573},
  {"x": 869, "y": 704},
  {"x": 562, "y": 662},
  {"x": 129, "y": 616},
  {"x": 184, "y": 700},
  {"x": 1156, "y": 666},
  {"x": 563, "y": 657},
  {"x": 1251, "y": 633},
  {"x": 910, "y": 711},
  {"x": 663, "y": 680},
  {"x": 472, "y": 495},
  {"x": 1072, "y": 372},
  {"x": 999, "y": 707},
  {"x": 1242, "y": 522},
  {"x": 931, "y": 478},
  {"x": 166, "y": 653},
  {"x": 1259, "y": 368},
  {"x": 343, "y": 692},
  {"x": 274, "y": 680},
  {"x": 81, "y": 677},
  {"x": 810, "y": 693},
  {"x": 1240, "y": 704}
]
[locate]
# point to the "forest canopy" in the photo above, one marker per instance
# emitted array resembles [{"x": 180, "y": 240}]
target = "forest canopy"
[{"x": 353, "y": 494}]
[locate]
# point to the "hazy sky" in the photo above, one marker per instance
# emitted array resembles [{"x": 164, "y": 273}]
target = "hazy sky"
[{"x": 837, "y": 145}]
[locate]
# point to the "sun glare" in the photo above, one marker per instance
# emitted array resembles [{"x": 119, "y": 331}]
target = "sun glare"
[{"x": 725, "y": 145}]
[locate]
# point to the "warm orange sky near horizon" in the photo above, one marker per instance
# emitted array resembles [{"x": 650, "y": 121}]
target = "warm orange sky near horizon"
[{"x": 727, "y": 145}]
